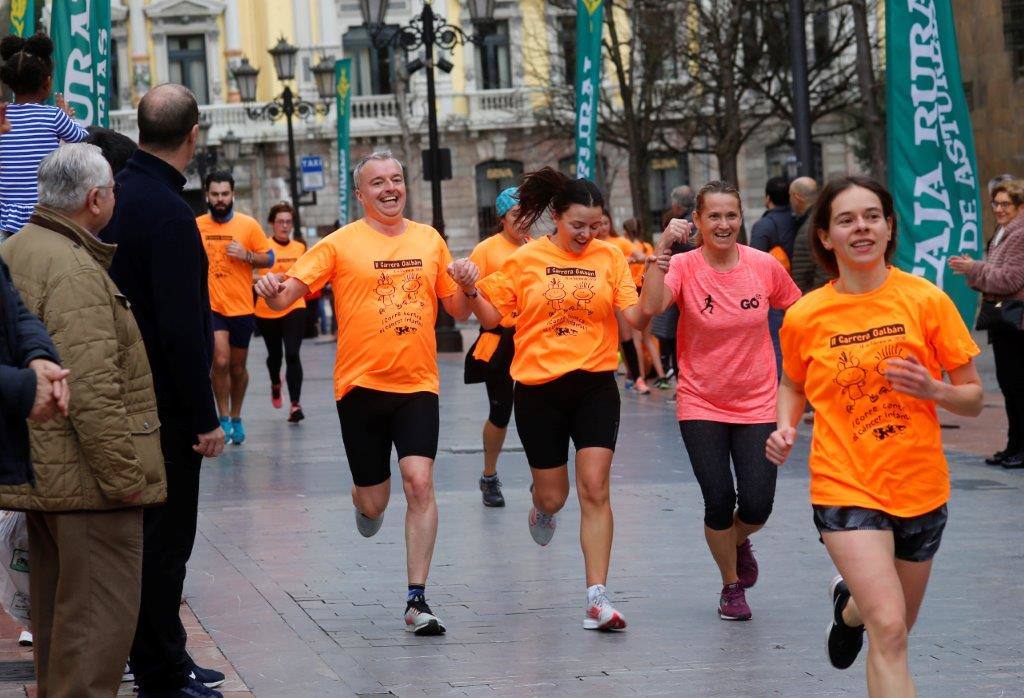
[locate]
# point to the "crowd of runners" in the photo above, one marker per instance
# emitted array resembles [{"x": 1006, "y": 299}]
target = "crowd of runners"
[{"x": 560, "y": 298}]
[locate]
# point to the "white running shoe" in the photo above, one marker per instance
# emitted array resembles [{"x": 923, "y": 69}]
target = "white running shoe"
[
  {"x": 25, "y": 639},
  {"x": 419, "y": 619},
  {"x": 127, "y": 676},
  {"x": 368, "y": 527},
  {"x": 542, "y": 526},
  {"x": 601, "y": 615}
]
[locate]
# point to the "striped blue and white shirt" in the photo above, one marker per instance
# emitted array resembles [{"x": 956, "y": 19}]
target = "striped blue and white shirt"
[{"x": 36, "y": 131}]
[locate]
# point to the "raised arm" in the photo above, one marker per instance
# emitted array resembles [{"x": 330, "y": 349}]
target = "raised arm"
[
  {"x": 466, "y": 274},
  {"x": 656, "y": 297}
]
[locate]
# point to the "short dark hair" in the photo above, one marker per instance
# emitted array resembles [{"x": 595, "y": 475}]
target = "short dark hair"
[
  {"x": 117, "y": 148},
  {"x": 167, "y": 114},
  {"x": 777, "y": 191},
  {"x": 219, "y": 176},
  {"x": 280, "y": 207},
  {"x": 548, "y": 188},
  {"x": 1013, "y": 188},
  {"x": 822, "y": 217},
  {"x": 27, "y": 62}
]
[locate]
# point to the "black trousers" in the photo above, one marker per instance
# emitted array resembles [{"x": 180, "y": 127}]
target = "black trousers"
[
  {"x": 1008, "y": 350},
  {"x": 286, "y": 331},
  {"x": 158, "y": 656}
]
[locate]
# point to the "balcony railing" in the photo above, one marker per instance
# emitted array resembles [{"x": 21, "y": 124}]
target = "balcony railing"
[{"x": 372, "y": 115}]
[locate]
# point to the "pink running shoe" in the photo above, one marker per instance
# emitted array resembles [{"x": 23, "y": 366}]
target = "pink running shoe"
[
  {"x": 733, "y": 603},
  {"x": 601, "y": 615},
  {"x": 746, "y": 565}
]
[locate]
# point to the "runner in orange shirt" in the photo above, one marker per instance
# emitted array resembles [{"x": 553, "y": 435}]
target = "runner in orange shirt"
[
  {"x": 565, "y": 288},
  {"x": 235, "y": 245},
  {"x": 634, "y": 378},
  {"x": 283, "y": 328},
  {"x": 489, "y": 360},
  {"x": 388, "y": 274},
  {"x": 869, "y": 350}
]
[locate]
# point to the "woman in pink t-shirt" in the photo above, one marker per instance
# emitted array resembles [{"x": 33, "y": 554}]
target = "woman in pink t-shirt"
[{"x": 725, "y": 396}]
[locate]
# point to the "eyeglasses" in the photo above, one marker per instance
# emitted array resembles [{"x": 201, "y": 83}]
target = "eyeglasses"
[{"x": 996, "y": 205}]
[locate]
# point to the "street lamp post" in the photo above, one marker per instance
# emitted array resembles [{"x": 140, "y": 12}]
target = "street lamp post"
[
  {"x": 287, "y": 104},
  {"x": 429, "y": 31},
  {"x": 206, "y": 158},
  {"x": 801, "y": 96}
]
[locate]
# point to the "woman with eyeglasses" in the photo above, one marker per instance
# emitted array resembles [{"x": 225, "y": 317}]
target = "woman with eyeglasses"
[{"x": 1001, "y": 278}]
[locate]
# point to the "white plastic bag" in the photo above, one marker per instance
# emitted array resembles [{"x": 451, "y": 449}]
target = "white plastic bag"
[{"x": 14, "y": 594}]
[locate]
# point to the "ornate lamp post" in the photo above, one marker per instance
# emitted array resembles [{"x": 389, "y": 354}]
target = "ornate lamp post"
[
  {"x": 287, "y": 104},
  {"x": 429, "y": 31}
]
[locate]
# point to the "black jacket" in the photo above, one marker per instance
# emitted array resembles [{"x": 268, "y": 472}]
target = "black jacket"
[
  {"x": 23, "y": 338},
  {"x": 161, "y": 266},
  {"x": 776, "y": 228}
]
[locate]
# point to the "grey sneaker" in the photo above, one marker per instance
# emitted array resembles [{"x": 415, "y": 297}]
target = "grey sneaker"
[
  {"x": 420, "y": 620},
  {"x": 601, "y": 615},
  {"x": 542, "y": 526},
  {"x": 368, "y": 527},
  {"x": 491, "y": 489}
]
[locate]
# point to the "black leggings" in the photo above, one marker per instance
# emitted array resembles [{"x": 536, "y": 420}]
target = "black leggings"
[
  {"x": 499, "y": 395},
  {"x": 287, "y": 330},
  {"x": 667, "y": 348},
  {"x": 1008, "y": 349},
  {"x": 630, "y": 358},
  {"x": 709, "y": 445}
]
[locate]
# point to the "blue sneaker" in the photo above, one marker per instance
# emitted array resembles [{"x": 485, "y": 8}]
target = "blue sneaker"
[
  {"x": 225, "y": 424},
  {"x": 237, "y": 432}
]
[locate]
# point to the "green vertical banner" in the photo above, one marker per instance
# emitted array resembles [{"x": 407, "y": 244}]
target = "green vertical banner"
[
  {"x": 933, "y": 174},
  {"x": 80, "y": 30},
  {"x": 589, "y": 15},
  {"x": 23, "y": 17},
  {"x": 343, "y": 104}
]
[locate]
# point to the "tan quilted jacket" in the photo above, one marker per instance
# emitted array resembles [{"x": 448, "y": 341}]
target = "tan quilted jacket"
[{"x": 109, "y": 446}]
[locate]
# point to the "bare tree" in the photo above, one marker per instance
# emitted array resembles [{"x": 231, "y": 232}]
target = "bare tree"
[{"x": 872, "y": 115}]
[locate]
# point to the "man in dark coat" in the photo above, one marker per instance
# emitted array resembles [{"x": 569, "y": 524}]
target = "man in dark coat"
[{"x": 161, "y": 267}]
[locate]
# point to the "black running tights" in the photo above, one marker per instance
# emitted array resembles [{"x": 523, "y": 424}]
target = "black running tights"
[{"x": 286, "y": 331}]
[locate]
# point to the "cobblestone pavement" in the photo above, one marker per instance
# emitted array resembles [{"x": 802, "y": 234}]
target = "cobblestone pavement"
[{"x": 301, "y": 605}]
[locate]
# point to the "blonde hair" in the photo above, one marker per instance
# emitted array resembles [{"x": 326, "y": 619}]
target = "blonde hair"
[{"x": 716, "y": 186}]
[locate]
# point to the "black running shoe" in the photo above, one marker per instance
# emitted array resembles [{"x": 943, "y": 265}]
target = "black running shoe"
[
  {"x": 419, "y": 619},
  {"x": 193, "y": 689},
  {"x": 843, "y": 643},
  {"x": 296, "y": 415},
  {"x": 491, "y": 489},
  {"x": 211, "y": 678}
]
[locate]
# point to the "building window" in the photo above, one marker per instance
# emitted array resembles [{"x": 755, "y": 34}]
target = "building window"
[
  {"x": 114, "y": 95},
  {"x": 1013, "y": 34},
  {"x": 493, "y": 61},
  {"x": 821, "y": 34},
  {"x": 186, "y": 64},
  {"x": 567, "y": 42},
  {"x": 491, "y": 179},
  {"x": 373, "y": 69},
  {"x": 665, "y": 172}
]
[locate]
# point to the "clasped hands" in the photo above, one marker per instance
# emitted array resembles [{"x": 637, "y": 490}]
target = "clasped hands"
[
  {"x": 52, "y": 391},
  {"x": 465, "y": 273}
]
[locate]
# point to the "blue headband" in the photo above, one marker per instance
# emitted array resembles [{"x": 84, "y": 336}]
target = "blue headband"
[{"x": 507, "y": 200}]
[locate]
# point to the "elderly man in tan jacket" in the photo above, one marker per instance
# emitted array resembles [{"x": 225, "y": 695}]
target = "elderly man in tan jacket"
[{"x": 96, "y": 468}]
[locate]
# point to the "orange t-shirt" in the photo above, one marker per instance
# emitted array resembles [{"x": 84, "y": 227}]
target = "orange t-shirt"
[
  {"x": 231, "y": 279},
  {"x": 873, "y": 447},
  {"x": 624, "y": 244},
  {"x": 566, "y": 307},
  {"x": 489, "y": 255},
  {"x": 284, "y": 257},
  {"x": 385, "y": 298}
]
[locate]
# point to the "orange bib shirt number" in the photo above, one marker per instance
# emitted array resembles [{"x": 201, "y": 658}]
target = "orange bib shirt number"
[
  {"x": 873, "y": 447},
  {"x": 385, "y": 298},
  {"x": 566, "y": 307},
  {"x": 230, "y": 279},
  {"x": 284, "y": 257}
]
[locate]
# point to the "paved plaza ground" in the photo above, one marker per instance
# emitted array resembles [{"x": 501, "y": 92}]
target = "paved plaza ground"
[{"x": 293, "y": 602}]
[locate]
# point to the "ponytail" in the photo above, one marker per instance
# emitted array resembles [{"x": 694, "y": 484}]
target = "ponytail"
[{"x": 547, "y": 188}]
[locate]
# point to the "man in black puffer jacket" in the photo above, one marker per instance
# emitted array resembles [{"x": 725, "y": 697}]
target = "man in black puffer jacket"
[{"x": 32, "y": 383}]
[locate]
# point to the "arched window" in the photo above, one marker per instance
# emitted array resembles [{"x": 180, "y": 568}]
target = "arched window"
[{"x": 493, "y": 177}]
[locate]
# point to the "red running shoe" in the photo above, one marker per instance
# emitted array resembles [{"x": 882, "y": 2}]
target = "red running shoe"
[{"x": 275, "y": 395}]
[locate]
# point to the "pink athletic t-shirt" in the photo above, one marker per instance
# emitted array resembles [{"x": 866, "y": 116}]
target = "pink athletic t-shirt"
[{"x": 725, "y": 355}]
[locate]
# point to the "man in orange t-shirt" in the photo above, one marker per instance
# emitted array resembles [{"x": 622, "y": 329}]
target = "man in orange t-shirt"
[
  {"x": 388, "y": 274},
  {"x": 235, "y": 245}
]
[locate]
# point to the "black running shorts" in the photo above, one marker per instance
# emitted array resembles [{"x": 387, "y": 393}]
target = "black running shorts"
[
  {"x": 917, "y": 538},
  {"x": 582, "y": 406},
  {"x": 373, "y": 420},
  {"x": 238, "y": 327}
]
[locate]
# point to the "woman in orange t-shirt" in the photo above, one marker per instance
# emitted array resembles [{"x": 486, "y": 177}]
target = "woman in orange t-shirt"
[
  {"x": 868, "y": 350},
  {"x": 566, "y": 289},
  {"x": 283, "y": 328},
  {"x": 643, "y": 340},
  {"x": 634, "y": 377},
  {"x": 489, "y": 360}
]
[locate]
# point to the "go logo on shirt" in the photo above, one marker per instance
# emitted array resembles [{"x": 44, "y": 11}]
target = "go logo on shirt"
[{"x": 751, "y": 303}]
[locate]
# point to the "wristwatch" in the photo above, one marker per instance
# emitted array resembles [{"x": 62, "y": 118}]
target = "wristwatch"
[{"x": 474, "y": 294}]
